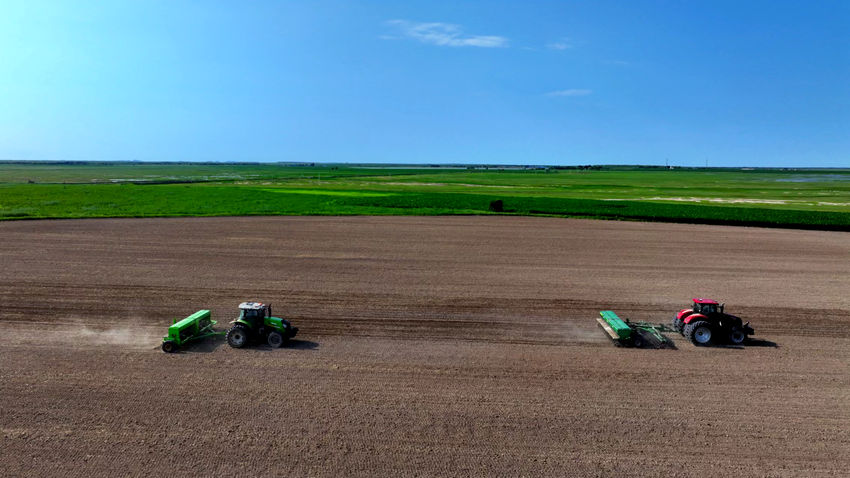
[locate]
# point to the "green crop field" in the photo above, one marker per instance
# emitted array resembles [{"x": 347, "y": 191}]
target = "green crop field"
[{"x": 800, "y": 198}]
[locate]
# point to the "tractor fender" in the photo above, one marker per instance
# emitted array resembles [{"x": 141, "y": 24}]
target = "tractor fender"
[
  {"x": 684, "y": 313},
  {"x": 242, "y": 323},
  {"x": 694, "y": 317}
]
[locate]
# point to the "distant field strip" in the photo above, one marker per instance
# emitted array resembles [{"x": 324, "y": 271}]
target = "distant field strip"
[
  {"x": 331, "y": 192},
  {"x": 774, "y": 198}
]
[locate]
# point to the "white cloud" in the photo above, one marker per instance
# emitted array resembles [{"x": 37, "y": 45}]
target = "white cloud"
[
  {"x": 562, "y": 44},
  {"x": 445, "y": 34},
  {"x": 570, "y": 92}
]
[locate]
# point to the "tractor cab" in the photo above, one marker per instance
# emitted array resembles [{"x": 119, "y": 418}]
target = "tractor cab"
[
  {"x": 707, "y": 307},
  {"x": 254, "y": 313}
]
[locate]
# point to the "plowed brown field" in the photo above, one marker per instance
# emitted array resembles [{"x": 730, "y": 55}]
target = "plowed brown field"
[{"x": 448, "y": 346}]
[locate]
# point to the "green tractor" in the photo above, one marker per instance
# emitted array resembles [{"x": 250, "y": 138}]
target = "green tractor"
[{"x": 255, "y": 324}]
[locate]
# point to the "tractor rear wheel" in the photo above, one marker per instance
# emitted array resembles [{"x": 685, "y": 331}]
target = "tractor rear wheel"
[
  {"x": 169, "y": 346},
  {"x": 677, "y": 324},
  {"x": 237, "y": 337},
  {"x": 737, "y": 336},
  {"x": 275, "y": 339},
  {"x": 699, "y": 332}
]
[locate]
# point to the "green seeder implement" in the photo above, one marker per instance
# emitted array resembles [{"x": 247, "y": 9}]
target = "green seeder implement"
[
  {"x": 634, "y": 334},
  {"x": 195, "y": 327}
]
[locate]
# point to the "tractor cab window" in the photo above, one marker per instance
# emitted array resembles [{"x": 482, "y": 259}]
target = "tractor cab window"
[
  {"x": 705, "y": 308},
  {"x": 252, "y": 314}
]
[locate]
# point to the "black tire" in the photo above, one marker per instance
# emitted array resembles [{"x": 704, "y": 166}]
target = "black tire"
[
  {"x": 737, "y": 336},
  {"x": 677, "y": 324},
  {"x": 237, "y": 337},
  {"x": 637, "y": 341},
  {"x": 275, "y": 339},
  {"x": 169, "y": 347},
  {"x": 699, "y": 333}
]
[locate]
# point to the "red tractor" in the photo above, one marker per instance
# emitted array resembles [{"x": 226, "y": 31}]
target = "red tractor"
[{"x": 705, "y": 323}]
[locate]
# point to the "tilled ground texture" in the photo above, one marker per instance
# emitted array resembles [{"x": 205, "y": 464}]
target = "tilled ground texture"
[{"x": 447, "y": 346}]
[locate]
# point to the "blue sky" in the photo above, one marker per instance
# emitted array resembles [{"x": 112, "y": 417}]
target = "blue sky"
[{"x": 551, "y": 82}]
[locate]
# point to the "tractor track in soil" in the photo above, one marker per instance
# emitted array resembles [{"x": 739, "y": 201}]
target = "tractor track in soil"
[{"x": 428, "y": 346}]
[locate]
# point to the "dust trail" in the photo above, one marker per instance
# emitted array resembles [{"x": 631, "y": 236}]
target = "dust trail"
[
  {"x": 580, "y": 332},
  {"x": 77, "y": 334},
  {"x": 136, "y": 337}
]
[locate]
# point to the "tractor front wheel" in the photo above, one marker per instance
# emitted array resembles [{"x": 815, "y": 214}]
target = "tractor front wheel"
[
  {"x": 737, "y": 336},
  {"x": 237, "y": 337},
  {"x": 169, "y": 346},
  {"x": 275, "y": 339},
  {"x": 698, "y": 333}
]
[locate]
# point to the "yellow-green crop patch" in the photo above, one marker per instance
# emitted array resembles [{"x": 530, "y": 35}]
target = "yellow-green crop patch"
[{"x": 331, "y": 192}]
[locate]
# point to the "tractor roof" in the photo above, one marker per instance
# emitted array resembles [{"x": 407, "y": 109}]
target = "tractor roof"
[
  {"x": 252, "y": 305},
  {"x": 706, "y": 301}
]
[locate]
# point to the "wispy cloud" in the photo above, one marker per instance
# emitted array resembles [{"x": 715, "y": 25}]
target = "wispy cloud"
[
  {"x": 562, "y": 44},
  {"x": 444, "y": 34},
  {"x": 616, "y": 62},
  {"x": 570, "y": 92}
]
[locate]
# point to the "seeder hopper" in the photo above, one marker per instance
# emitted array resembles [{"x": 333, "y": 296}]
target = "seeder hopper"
[
  {"x": 195, "y": 327},
  {"x": 633, "y": 334}
]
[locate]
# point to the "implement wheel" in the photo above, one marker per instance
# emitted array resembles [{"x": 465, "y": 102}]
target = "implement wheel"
[
  {"x": 275, "y": 339},
  {"x": 237, "y": 337},
  {"x": 169, "y": 346},
  {"x": 699, "y": 332},
  {"x": 637, "y": 341}
]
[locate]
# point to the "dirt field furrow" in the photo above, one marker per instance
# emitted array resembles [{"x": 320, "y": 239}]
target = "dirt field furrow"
[{"x": 438, "y": 346}]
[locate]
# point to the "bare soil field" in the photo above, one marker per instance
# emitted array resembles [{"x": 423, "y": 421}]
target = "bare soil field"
[{"x": 438, "y": 346}]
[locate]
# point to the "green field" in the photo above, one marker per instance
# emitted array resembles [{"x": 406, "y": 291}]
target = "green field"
[{"x": 800, "y": 198}]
